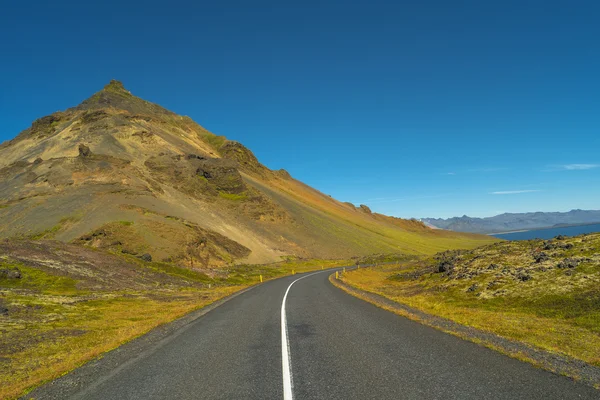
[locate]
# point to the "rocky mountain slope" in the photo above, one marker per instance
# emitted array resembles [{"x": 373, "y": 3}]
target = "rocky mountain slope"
[
  {"x": 514, "y": 222},
  {"x": 123, "y": 174}
]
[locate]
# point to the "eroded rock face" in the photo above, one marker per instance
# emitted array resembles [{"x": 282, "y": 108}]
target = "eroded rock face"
[
  {"x": 46, "y": 126},
  {"x": 197, "y": 175},
  {"x": 245, "y": 158},
  {"x": 365, "y": 209},
  {"x": 84, "y": 151},
  {"x": 223, "y": 174}
]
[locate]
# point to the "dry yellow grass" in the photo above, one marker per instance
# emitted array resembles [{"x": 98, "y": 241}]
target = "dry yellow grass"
[
  {"x": 92, "y": 328},
  {"x": 554, "y": 308},
  {"x": 72, "y": 304}
]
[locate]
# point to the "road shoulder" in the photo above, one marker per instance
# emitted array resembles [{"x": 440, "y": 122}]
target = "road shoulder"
[
  {"x": 99, "y": 369},
  {"x": 556, "y": 363}
]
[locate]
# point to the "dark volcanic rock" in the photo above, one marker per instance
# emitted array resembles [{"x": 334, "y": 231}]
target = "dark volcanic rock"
[
  {"x": 473, "y": 287},
  {"x": 445, "y": 266},
  {"x": 146, "y": 257},
  {"x": 11, "y": 273},
  {"x": 223, "y": 174},
  {"x": 568, "y": 263},
  {"x": 523, "y": 276},
  {"x": 84, "y": 151},
  {"x": 541, "y": 257}
]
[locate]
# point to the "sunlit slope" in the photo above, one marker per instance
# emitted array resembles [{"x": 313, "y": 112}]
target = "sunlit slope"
[
  {"x": 121, "y": 173},
  {"x": 341, "y": 224}
]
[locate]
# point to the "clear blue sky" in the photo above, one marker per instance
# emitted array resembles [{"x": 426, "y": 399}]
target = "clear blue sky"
[{"x": 423, "y": 108}]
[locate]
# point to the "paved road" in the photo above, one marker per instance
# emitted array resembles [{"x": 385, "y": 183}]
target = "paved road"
[{"x": 339, "y": 348}]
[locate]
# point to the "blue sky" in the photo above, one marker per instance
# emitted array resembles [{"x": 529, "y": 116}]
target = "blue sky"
[{"x": 428, "y": 108}]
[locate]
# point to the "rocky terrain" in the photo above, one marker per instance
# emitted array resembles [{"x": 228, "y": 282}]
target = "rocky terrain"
[
  {"x": 119, "y": 173},
  {"x": 545, "y": 293}
]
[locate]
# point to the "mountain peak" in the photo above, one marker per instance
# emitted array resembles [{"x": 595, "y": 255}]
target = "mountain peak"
[
  {"x": 114, "y": 95},
  {"x": 115, "y": 85}
]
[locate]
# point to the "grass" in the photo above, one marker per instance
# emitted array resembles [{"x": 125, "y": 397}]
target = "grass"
[
  {"x": 338, "y": 228},
  {"x": 234, "y": 196},
  {"x": 88, "y": 329},
  {"x": 38, "y": 280},
  {"x": 556, "y": 309},
  {"x": 215, "y": 141},
  {"x": 56, "y": 323}
]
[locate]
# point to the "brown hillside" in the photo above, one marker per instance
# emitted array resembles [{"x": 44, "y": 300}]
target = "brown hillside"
[{"x": 121, "y": 173}]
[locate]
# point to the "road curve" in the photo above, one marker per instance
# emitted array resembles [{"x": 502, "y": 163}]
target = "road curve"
[{"x": 339, "y": 348}]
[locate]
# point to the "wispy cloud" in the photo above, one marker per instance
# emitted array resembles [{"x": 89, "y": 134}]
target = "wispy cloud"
[
  {"x": 570, "y": 167},
  {"x": 450, "y": 173},
  {"x": 515, "y": 191},
  {"x": 579, "y": 167}
]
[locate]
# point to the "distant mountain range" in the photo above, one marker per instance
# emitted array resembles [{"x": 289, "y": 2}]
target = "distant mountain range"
[{"x": 514, "y": 222}]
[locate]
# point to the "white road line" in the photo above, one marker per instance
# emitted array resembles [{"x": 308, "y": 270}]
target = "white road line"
[{"x": 285, "y": 346}]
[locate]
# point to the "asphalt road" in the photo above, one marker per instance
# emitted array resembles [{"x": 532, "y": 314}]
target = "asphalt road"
[{"x": 339, "y": 348}]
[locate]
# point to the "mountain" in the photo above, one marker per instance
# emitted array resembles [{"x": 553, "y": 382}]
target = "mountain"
[
  {"x": 513, "y": 222},
  {"x": 123, "y": 174}
]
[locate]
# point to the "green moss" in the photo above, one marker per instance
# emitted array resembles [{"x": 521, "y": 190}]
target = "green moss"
[
  {"x": 184, "y": 273},
  {"x": 215, "y": 141},
  {"x": 126, "y": 223},
  {"x": 234, "y": 196},
  {"x": 46, "y": 234},
  {"x": 38, "y": 280}
]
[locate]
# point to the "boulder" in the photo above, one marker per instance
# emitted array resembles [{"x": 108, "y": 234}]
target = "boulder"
[
  {"x": 445, "y": 266},
  {"x": 523, "y": 276},
  {"x": 541, "y": 257},
  {"x": 11, "y": 273},
  {"x": 568, "y": 263},
  {"x": 473, "y": 287},
  {"x": 84, "y": 151},
  {"x": 146, "y": 257}
]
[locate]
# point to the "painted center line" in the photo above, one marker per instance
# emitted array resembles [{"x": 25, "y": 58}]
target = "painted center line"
[{"x": 285, "y": 345}]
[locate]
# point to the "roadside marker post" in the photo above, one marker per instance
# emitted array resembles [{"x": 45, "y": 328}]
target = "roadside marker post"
[{"x": 261, "y": 279}]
